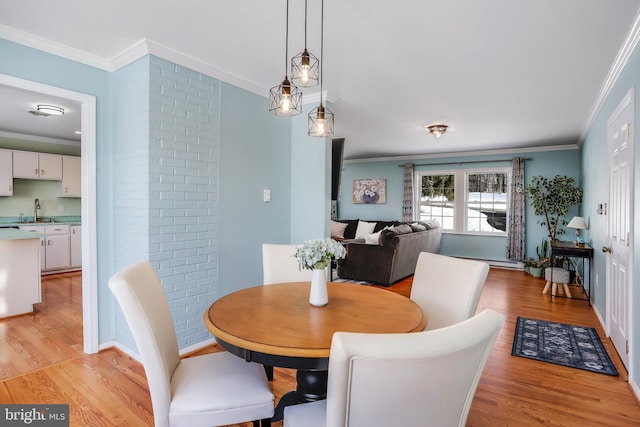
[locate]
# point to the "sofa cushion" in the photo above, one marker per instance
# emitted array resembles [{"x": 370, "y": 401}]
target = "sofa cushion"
[
  {"x": 430, "y": 224},
  {"x": 337, "y": 230},
  {"x": 381, "y": 225},
  {"x": 364, "y": 229},
  {"x": 373, "y": 239},
  {"x": 352, "y": 225},
  {"x": 417, "y": 227},
  {"x": 386, "y": 236}
]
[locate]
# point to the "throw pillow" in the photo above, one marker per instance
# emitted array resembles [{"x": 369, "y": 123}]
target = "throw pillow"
[
  {"x": 417, "y": 227},
  {"x": 337, "y": 230},
  {"x": 364, "y": 229},
  {"x": 373, "y": 239}
]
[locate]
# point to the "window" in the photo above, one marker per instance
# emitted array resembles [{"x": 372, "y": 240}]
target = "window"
[
  {"x": 437, "y": 197},
  {"x": 464, "y": 201}
]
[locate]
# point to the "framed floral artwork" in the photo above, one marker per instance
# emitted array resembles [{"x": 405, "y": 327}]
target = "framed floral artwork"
[{"x": 370, "y": 191}]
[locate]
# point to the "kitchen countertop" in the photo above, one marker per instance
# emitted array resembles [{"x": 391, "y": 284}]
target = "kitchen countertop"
[{"x": 65, "y": 220}]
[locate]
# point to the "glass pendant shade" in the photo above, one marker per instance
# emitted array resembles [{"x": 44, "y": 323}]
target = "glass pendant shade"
[
  {"x": 320, "y": 122},
  {"x": 285, "y": 99},
  {"x": 305, "y": 69}
]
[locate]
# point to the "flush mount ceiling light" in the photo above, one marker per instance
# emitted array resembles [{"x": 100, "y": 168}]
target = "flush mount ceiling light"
[
  {"x": 304, "y": 66},
  {"x": 45, "y": 110},
  {"x": 320, "y": 121},
  {"x": 285, "y": 99},
  {"x": 438, "y": 130}
]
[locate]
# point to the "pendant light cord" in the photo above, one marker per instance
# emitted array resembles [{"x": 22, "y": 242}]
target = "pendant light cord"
[
  {"x": 286, "y": 43},
  {"x": 305, "y": 24},
  {"x": 321, "y": 46}
]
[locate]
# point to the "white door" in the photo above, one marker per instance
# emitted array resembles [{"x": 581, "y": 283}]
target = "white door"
[{"x": 620, "y": 222}]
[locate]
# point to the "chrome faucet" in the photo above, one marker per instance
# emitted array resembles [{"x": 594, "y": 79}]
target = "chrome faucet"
[{"x": 36, "y": 206}]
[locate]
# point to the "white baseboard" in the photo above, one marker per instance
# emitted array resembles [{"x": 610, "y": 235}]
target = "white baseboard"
[{"x": 134, "y": 355}]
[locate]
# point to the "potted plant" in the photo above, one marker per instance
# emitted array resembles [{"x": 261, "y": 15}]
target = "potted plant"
[{"x": 552, "y": 198}]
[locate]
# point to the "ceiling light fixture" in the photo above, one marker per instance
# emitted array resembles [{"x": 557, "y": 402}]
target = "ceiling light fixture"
[
  {"x": 438, "y": 130},
  {"x": 304, "y": 66},
  {"x": 320, "y": 122},
  {"x": 44, "y": 110},
  {"x": 285, "y": 99}
]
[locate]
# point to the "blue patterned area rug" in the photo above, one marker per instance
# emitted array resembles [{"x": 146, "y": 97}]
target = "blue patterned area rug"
[{"x": 562, "y": 344}]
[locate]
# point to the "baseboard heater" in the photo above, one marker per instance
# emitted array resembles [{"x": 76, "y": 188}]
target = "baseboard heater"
[{"x": 516, "y": 265}]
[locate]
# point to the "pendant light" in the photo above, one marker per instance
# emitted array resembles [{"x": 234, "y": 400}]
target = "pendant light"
[
  {"x": 304, "y": 66},
  {"x": 320, "y": 122},
  {"x": 285, "y": 99}
]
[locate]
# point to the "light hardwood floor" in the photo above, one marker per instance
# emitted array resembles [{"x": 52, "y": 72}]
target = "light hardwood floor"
[{"x": 41, "y": 361}]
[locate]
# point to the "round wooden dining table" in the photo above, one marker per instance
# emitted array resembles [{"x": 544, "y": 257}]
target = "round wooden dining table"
[{"x": 275, "y": 325}]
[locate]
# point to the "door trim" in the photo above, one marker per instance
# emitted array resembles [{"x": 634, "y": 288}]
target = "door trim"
[{"x": 88, "y": 202}]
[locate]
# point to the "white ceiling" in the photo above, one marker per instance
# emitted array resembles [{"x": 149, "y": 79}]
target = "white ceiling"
[{"x": 502, "y": 74}]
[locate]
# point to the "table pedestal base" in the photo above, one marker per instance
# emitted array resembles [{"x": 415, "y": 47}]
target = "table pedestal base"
[{"x": 311, "y": 386}]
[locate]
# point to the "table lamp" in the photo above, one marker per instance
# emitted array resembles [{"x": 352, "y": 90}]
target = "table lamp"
[{"x": 578, "y": 223}]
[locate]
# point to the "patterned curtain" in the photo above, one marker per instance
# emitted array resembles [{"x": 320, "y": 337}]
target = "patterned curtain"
[
  {"x": 515, "y": 230},
  {"x": 407, "y": 198}
]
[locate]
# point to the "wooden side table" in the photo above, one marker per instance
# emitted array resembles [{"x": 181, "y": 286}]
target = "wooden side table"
[{"x": 574, "y": 250}]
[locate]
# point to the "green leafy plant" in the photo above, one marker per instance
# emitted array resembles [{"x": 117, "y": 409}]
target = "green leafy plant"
[
  {"x": 543, "y": 251},
  {"x": 552, "y": 198}
]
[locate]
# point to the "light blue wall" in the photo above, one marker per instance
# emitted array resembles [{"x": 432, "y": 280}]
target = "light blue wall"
[
  {"x": 255, "y": 154},
  {"x": 252, "y": 151},
  {"x": 31, "y": 64},
  {"x": 596, "y": 184},
  {"x": 310, "y": 181},
  {"x": 549, "y": 164},
  {"x": 130, "y": 183}
]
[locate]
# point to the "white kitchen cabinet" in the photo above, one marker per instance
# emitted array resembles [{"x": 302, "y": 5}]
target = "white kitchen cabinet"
[
  {"x": 57, "y": 247},
  {"x": 37, "y": 229},
  {"x": 71, "y": 178},
  {"x": 30, "y": 165},
  {"x": 6, "y": 173},
  {"x": 75, "y": 239}
]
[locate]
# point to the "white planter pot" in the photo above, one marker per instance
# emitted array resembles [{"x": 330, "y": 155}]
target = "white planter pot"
[{"x": 318, "y": 294}]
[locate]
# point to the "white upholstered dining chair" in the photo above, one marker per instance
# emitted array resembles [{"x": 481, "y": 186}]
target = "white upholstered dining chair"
[
  {"x": 209, "y": 390},
  {"x": 448, "y": 289},
  {"x": 424, "y": 378},
  {"x": 280, "y": 265}
]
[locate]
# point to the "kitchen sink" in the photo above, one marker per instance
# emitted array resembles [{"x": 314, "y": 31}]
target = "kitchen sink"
[{"x": 41, "y": 221}]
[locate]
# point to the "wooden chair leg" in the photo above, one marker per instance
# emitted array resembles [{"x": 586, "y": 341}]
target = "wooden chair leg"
[
  {"x": 546, "y": 287},
  {"x": 554, "y": 289},
  {"x": 566, "y": 290}
]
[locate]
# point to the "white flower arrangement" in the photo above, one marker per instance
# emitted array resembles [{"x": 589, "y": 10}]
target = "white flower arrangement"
[{"x": 317, "y": 253}]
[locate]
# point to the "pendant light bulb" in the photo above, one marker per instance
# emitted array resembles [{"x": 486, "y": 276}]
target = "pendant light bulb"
[
  {"x": 285, "y": 99},
  {"x": 320, "y": 120},
  {"x": 304, "y": 66}
]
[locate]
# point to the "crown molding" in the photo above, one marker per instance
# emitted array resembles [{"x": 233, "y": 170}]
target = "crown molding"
[
  {"x": 127, "y": 56},
  {"x": 467, "y": 153},
  {"x": 58, "y": 49},
  {"x": 618, "y": 65}
]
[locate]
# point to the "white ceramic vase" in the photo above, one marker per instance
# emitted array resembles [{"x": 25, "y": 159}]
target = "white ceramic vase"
[{"x": 318, "y": 294}]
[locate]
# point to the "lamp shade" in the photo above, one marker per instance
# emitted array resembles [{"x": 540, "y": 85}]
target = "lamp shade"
[{"x": 577, "y": 222}]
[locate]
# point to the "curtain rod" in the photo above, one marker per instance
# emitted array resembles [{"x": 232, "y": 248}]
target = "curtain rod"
[{"x": 464, "y": 163}]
